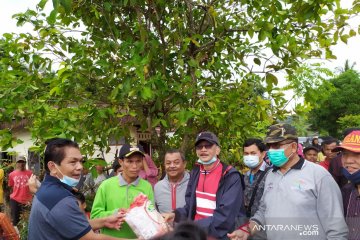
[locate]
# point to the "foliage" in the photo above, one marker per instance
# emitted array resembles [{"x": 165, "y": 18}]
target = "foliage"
[
  {"x": 343, "y": 101},
  {"x": 300, "y": 120},
  {"x": 23, "y": 224},
  {"x": 183, "y": 66},
  {"x": 349, "y": 121}
]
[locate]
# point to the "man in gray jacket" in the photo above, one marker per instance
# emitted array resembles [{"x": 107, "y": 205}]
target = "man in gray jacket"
[
  {"x": 301, "y": 200},
  {"x": 170, "y": 192}
]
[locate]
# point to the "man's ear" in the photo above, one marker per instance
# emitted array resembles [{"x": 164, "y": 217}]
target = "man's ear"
[
  {"x": 51, "y": 167},
  {"x": 217, "y": 150}
]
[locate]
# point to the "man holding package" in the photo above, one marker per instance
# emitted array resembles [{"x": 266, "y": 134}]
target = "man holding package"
[
  {"x": 214, "y": 196},
  {"x": 117, "y": 193},
  {"x": 55, "y": 213}
]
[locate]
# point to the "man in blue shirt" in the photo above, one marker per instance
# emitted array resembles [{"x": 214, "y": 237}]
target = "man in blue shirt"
[{"x": 55, "y": 213}]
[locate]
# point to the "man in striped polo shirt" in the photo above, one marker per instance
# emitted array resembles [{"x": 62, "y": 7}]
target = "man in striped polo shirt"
[{"x": 214, "y": 196}]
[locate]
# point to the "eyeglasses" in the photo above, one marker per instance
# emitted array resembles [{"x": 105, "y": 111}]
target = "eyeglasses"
[
  {"x": 207, "y": 146},
  {"x": 277, "y": 145}
]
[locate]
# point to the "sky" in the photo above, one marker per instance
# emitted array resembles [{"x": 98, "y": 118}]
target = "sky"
[{"x": 342, "y": 51}]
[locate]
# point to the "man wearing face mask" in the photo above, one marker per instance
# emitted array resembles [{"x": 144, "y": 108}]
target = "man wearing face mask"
[
  {"x": 299, "y": 197},
  {"x": 55, "y": 213},
  {"x": 214, "y": 195},
  {"x": 254, "y": 152},
  {"x": 350, "y": 150}
]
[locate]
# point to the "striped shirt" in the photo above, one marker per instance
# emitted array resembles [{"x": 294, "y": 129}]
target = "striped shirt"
[{"x": 206, "y": 191}]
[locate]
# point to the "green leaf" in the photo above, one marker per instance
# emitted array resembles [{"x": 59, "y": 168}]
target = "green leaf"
[
  {"x": 146, "y": 93},
  {"x": 271, "y": 79},
  {"x": 55, "y": 4},
  {"x": 51, "y": 19},
  {"x": 42, "y": 4},
  {"x": 66, "y": 4},
  {"x": 344, "y": 38},
  {"x": 257, "y": 61},
  {"x": 352, "y": 33}
]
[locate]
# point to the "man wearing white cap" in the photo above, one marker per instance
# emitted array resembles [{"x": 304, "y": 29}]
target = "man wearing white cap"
[{"x": 20, "y": 196}]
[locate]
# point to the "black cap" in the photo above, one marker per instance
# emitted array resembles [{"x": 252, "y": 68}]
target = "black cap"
[
  {"x": 127, "y": 150},
  {"x": 208, "y": 136}
]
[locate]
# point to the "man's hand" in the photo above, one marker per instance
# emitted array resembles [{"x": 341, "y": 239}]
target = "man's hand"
[
  {"x": 168, "y": 217},
  {"x": 238, "y": 235},
  {"x": 114, "y": 221}
]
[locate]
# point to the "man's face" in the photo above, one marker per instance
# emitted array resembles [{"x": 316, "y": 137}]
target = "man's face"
[
  {"x": 206, "y": 150},
  {"x": 254, "y": 150},
  {"x": 71, "y": 165},
  {"x": 351, "y": 161},
  {"x": 21, "y": 165},
  {"x": 289, "y": 146},
  {"x": 327, "y": 150},
  {"x": 131, "y": 166},
  {"x": 311, "y": 155},
  {"x": 174, "y": 165}
]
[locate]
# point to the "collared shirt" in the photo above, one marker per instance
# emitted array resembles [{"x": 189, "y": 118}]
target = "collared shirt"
[
  {"x": 353, "y": 214},
  {"x": 123, "y": 182},
  {"x": 55, "y": 213},
  {"x": 298, "y": 201},
  {"x": 115, "y": 193}
]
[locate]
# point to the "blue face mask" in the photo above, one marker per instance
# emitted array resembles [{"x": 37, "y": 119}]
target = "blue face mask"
[
  {"x": 209, "y": 162},
  {"x": 278, "y": 157},
  {"x": 353, "y": 178},
  {"x": 251, "y": 161},
  {"x": 72, "y": 182}
]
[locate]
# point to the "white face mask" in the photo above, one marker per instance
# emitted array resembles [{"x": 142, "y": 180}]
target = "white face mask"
[{"x": 251, "y": 161}]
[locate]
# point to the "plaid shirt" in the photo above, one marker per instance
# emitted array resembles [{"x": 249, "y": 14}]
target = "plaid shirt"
[{"x": 7, "y": 231}]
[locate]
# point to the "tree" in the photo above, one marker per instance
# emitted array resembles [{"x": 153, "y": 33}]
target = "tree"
[
  {"x": 349, "y": 121},
  {"x": 183, "y": 66},
  {"x": 330, "y": 114}
]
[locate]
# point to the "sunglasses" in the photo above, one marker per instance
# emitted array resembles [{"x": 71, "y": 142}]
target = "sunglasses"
[{"x": 207, "y": 146}]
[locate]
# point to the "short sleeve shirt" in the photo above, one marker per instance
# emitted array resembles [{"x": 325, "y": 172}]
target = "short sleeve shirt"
[{"x": 55, "y": 213}]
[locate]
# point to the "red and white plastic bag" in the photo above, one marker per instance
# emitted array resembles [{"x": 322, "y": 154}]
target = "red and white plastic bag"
[{"x": 144, "y": 219}]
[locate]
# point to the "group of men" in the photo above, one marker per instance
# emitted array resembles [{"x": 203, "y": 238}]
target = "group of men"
[{"x": 293, "y": 199}]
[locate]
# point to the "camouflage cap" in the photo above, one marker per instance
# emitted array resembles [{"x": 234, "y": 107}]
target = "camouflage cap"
[{"x": 280, "y": 132}]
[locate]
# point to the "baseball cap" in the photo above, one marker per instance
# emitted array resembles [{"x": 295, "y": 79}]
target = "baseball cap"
[
  {"x": 208, "y": 136},
  {"x": 351, "y": 142},
  {"x": 280, "y": 132},
  {"x": 20, "y": 158},
  {"x": 127, "y": 150}
]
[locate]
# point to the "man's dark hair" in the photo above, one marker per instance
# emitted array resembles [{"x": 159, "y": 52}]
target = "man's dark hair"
[
  {"x": 174, "y": 150},
  {"x": 347, "y": 131},
  {"x": 54, "y": 150},
  {"x": 328, "y": 140},
  {"x": 255, "y": 141},
  {"x": 184, "y": 231}
]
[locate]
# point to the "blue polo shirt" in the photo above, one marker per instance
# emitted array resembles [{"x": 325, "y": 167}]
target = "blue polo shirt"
[{"x": 55, "y": 213}]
